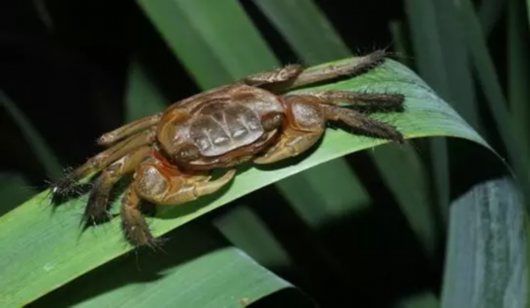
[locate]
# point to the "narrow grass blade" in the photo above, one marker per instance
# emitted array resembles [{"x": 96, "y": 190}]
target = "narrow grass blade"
[
  {"x": 411, "y": 192},
  {"x": 42, "y": 152},
  {"x": 442, "y": 56},
  {"x": 45, "y": 249},
  {"x": 193, "y": 31},
  {"x": 519, "y": 72},
  {"x": 528, "y": 9},
  {"x": 306, "y": 29},
  {"x": 243, "y": 228},
  {"x": 497, "y": 103},
  {"x": 442, "y": 60},
  {"x": 489, "y": 14},
  {"x": 487, "y": 248},
  {"x": 143, "y": 97},
  {"x": 401, "y": 40},
  {"x": 14, "y": 190},
  {"x": 207, "y": 273},
  {"x": 314, "y": 40},
  {"x": 422, "y": 300}
]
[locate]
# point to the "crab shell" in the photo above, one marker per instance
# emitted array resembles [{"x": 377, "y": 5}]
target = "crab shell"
[{"x": 222, "y": 127}]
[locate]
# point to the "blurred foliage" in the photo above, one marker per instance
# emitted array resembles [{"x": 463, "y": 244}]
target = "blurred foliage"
[{"x": 438, "y": 222}]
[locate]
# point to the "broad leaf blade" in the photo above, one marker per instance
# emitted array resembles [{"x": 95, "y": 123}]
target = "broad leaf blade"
[
  {"x": 45, "y": 249},
  {"x": 195, "y": 276},
  {"x": 487, "y": 248}
]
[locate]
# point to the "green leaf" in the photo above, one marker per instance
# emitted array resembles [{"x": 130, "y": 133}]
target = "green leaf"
[
  {"x": 519, "y": 72},
  {"x": 175, "y": 278},
  {"x": 494, "y": 95},
  {"x": 14, "y": 190},
  {"x": 528, "y": 9},
  {"x": 143, "y": 97},
  {"x": 442, "y": 56},
  {"x": 192, "y": 31},
  {"x": 489, "y": 13},
  {"x": 315, "y": 41},
  {"x": 306, "y": 29},
  {"x": 35, "y": 141},
  {"x": 486, "y": 258},
  {"x": 46, "y": 249},
  {"x": 246, "y": 230},
  {"x": 313, "y": 38},
  {"x": 442, "y": 60},
  {"x": 422, "y": 300}
]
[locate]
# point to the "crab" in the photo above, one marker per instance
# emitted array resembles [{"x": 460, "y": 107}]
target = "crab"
[{"x": 171, "y": 154}]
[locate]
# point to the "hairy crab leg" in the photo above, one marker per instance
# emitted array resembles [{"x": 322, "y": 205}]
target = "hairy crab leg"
[
  {"x": 133, "y": 223},
  {"x": 96, "y": 209},
  {"x": 103, "y": 159},
  {"x": 295, "y": 75},
  {"x": 357, "y": 120},
  {"x": 158, "y": 182},
  {"x": 307, "y": 115},
  {"x": 128, "y": 129},
  {"x": 279, "y": 75},
  {"x": 355, "y": 67},
  {"x": 359, "y": 98}
]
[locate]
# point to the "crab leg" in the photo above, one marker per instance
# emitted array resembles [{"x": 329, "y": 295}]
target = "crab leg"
[
  {"x": 354, "y": 67},
  {"x": 305, "y": 125},
  {"x": 128, "y": 129},
  {"x": 133, "y": 223},
  {"x": 307, "y": 115},
  {"x": 96, "y": 209},
  {"x": 294, "y": 75},
  {"x": 291, "y": 143},
  {"x": 333, "y": 97},
  {"x": 357, "y": 120},
  {"x": 279, "y": 75},
  {"x": 103, "y": 159},
  {"x": 162, "y": 184}
]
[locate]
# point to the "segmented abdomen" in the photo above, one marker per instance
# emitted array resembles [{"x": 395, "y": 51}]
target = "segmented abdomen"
[{"x": 223, "y": 127}]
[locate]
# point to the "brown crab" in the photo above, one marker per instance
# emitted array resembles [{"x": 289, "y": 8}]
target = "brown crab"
[{"x": 172, "y": 153}]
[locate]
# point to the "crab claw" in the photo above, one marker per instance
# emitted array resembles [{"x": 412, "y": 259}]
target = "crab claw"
[{"x": 290, "y": 144}]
